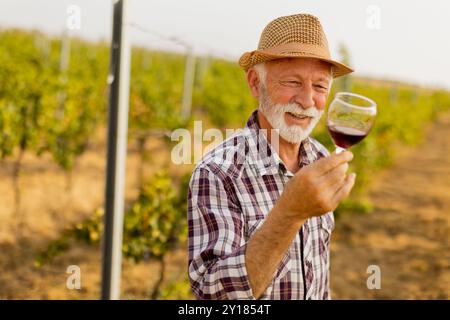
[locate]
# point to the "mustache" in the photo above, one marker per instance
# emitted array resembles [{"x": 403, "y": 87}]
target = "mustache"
[{"x": 294, "y": 108}]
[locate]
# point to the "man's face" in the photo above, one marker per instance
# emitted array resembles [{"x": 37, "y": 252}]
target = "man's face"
[{"x": 294, "y": 95}]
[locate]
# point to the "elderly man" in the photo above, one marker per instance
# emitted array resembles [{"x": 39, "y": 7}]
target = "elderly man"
[{"x": 260, "y": 221}]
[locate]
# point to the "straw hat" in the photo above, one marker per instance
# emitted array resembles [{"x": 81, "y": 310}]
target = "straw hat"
[{"x": 298, "y": 36}]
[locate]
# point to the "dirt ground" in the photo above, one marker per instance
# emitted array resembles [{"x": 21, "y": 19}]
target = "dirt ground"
[{"x": 407, "y": 236}]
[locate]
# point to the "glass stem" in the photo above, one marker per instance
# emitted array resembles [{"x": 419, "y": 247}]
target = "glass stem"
[{"x": 339, "y": 149}]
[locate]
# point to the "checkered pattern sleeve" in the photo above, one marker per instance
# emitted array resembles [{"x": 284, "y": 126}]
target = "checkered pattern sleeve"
[{"x": 216, "y": 243}]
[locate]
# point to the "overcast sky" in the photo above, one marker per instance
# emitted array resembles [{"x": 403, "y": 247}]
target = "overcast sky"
[{"x": 402, "y": 39}]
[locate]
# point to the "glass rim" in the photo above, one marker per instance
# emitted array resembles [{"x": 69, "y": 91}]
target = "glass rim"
[{"x": 372, "y": 106}]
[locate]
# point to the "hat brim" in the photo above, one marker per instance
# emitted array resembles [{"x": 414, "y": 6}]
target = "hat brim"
[{"x": 249, "y": 59}]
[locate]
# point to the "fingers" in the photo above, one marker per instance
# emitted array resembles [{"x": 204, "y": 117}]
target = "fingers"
[
  {"x": 327, "y": 164},
  {"x": 345, "y": 189},
  {"x": 336, "y": 176}
]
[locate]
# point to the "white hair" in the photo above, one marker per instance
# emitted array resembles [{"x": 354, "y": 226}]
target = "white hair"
[
  {"x": 331, "y": 79},
  {"x": 261, "y": 71}
]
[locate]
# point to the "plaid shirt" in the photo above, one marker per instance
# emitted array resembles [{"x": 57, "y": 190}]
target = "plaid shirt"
[{"x": 231, "y": 192}]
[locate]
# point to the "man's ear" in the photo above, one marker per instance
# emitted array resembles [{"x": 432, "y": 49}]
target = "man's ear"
[{"x": 253, "y": 82}]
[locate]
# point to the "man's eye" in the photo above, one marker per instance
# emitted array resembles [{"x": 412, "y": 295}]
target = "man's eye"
[
  {"x": 290, "y": 83},
  {"x": 318, "y": 86}
]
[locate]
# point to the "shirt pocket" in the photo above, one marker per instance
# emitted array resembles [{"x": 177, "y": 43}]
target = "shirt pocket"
[{"x": 252, "y": 224}]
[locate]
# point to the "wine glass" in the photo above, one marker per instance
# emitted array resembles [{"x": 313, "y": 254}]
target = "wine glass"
[{"x": 350, "y": 118}]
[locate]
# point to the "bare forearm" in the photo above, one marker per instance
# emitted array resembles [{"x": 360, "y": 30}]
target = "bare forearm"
[{"x": 267, "y": 247}]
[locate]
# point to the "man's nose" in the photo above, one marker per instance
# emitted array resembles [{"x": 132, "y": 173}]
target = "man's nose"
[{"x": 305, "y": 97}]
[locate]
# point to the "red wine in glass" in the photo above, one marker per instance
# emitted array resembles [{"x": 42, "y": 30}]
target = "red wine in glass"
[
  {"x": 345, "y": 137},
  {"x": 350, "y": 118}
]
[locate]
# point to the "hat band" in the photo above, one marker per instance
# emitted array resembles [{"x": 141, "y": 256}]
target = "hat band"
[{"x": 289, "y": 48}]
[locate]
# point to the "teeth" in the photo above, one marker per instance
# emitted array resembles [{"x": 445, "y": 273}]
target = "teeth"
[{"x": 298, "y": 115}]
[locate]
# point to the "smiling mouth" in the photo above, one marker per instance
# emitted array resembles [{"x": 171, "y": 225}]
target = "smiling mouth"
[{"x": 298, "y": 116}]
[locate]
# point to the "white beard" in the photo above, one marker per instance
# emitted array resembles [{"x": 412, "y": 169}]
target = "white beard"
[{"x": 275, "y": 114}]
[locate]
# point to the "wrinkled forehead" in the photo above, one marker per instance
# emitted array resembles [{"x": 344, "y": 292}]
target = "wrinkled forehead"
[{"x": 303, "y": 67}]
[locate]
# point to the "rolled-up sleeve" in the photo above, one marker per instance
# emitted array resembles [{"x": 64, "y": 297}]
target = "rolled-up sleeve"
[{"x": 216, "y": 243}]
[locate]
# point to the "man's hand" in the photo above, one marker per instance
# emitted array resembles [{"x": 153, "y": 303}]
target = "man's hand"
[{"x": 317, "y": 188}]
